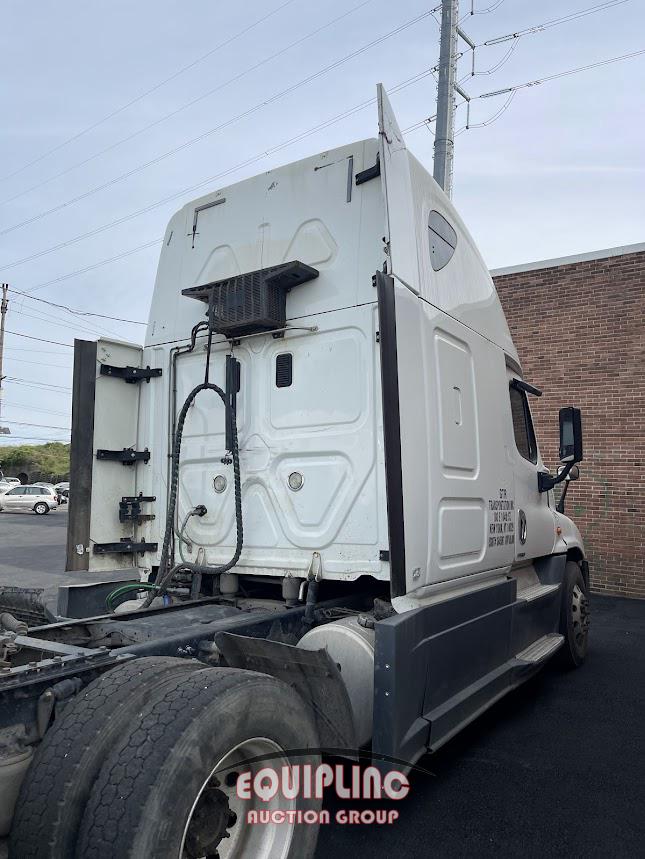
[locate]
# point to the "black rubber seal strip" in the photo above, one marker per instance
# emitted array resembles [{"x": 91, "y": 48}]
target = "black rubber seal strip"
[{"x": 391, "y": 431}]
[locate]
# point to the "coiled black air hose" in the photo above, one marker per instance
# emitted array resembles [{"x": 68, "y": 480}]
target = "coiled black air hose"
[{"x": 166, "y": 573}]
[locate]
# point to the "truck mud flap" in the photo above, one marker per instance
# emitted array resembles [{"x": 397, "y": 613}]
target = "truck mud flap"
[{"x": 312, "y": 673}]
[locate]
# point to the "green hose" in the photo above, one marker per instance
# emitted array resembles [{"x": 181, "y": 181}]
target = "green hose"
[{"x": 125, "y": 589}]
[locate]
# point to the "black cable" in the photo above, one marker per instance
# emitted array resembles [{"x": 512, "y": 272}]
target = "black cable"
[{"x": 166, "y": 572}]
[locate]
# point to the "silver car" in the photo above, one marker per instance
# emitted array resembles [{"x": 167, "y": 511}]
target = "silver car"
[{"x": 40, "y": 499}]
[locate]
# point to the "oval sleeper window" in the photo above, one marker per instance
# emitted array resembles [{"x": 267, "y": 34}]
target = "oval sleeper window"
[{"x": 443, "y": 240}]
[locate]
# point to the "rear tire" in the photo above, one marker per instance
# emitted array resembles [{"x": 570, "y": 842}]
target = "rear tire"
[
  {"x": 574, "y": 617},
  {"x": 164, "y": 791},
  {"x": 41, "y": 508},
  {"x": 55, "y": 790}
]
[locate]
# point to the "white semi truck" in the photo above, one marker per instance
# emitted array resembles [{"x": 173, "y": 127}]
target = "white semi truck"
[{"x": 318, "y": 506}]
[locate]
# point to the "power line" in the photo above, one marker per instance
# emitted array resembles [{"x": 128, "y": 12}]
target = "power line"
[
  {"x": 537, "y": 82},
  {"x": 52, "y": 320},
  {"x": 42, "y": 364},
  {"x": 494, "y": 68},
  {"x": 539, "y": 28},
  {"x": 492, "y": 118},
  {"x": 35, "y": 409},
  {"x": 30, "y": 349},
  {"x": 187, "y": 104},
  {"x": 254, "y": 159},
  {"x": 492, "y": 8},
  {"x": 76, "y": 312},
  {"x": 10, "y": 438},
  {"x": 93, "y": 266},
  {"x": 530, "y": 31},
  {"x": 46, "y": 316},
  {"x": 150, "y": 90},
  {"x": 575, "y": 71},
  {"x": 39, "y": 339},
  {"x": 251, "y": 160},
  {"x": 226, "y": 124},
  {"x": 32, "y": 383},
  {"x": 41, "y": 426}
]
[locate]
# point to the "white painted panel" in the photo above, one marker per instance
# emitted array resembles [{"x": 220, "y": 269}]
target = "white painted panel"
[
  {"x": 299, "y": 211},
  {"x": 324, "y": 426},
  {"x": 116, "y": 418},
  {"x": 459, "y": 435},
  {"x": 462, "y": 531},
  {"x": 449, "y": 485},
  {"x": 335, "y": 396},
  {"x": 463, "y": 288}
]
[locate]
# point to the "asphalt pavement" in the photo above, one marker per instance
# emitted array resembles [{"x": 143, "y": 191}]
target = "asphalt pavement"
[
  {"x": 556, "y": 769},
  {"x": 32, "y": 551}
]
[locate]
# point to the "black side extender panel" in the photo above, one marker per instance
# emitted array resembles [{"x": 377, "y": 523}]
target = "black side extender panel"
[{"x": 437, "y": 666}]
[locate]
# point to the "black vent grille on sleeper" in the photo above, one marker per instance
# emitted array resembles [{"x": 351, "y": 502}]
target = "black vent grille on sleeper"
[{"x": 284, "y": 370}]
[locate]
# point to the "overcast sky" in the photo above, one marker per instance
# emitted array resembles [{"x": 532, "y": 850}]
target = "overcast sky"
[{"x": 559, "y": 172}]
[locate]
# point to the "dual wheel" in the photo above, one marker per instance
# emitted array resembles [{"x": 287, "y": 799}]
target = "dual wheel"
[{"x": 145, "y": 760}]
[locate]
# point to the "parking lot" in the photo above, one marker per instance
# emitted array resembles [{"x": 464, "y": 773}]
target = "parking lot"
[
  {"x": 554, "y": 769},
  {"x": 32, "y": 551}
]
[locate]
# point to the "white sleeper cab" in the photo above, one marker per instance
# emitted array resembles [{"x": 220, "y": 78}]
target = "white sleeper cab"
[{"x": 317, "y": 484}]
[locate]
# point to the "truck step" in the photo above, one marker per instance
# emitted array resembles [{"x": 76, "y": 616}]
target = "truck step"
[
  {"x": 536, "y": 592},
  {"x": 540, "y": 649}
]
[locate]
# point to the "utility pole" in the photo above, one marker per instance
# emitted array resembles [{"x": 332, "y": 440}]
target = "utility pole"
[
  {"x": 447, "y": 86},
  {"x": 445, "y": 135},
  {"x": 4, "y": 305}
]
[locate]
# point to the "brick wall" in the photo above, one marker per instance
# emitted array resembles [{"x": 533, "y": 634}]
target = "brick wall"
[{"x": 580, "y": 333}]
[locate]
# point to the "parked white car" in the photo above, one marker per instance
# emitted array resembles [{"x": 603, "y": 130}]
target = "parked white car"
[
  {"x": 40, "y": 499},
  {"x": 13, "y": 480},
  {"x": 63, "y": 491}
]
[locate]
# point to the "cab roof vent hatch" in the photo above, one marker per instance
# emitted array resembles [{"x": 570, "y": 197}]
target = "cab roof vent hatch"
[{"x": 252, "y": 302}]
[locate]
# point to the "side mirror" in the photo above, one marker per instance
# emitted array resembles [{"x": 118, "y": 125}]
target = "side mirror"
[
  {"x": 573, "y": 473},
  {"x": 570, "y": 450},
  {"x": 570, "y": 435}
]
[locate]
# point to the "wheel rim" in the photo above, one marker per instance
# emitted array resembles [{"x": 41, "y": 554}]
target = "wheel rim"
[
  {"x": 216, "y": 827},
  {"x": 40, "y": 508},
  {"x": 579, "y": 615}
]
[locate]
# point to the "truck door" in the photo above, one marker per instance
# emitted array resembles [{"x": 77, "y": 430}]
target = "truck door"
[{"x": 535, "y": 524}]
